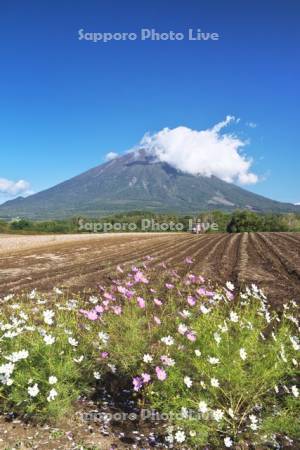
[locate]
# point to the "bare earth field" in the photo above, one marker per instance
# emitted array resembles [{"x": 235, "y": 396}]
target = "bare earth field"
[{"x": 77, "y": 262}]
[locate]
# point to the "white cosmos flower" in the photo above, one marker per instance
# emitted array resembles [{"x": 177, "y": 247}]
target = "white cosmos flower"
[
  {"x": 295, "y": 391},
  {"x": 295, "y": 342},
  {"x": 48, "y": 316},
  {"x": 48, "y": 339},
  {"x": 103, "y": 337},
  {"x": 93, "y": 299},
  {"x": 231, "y": 413},
  {"x": 57, "y": 291},
  {"x": 168, "y": 340},
  {"x": 204, "y": 310},
  {"x": 182, "y": 328},
  {"x": 230, "y": 286},
  {"x": 213, "y": 360},
  {"x": 17, "y": 356},
  {"x": 7, "y": 369},
  {"x": 218, "y": 415},
  {"x": 52, "y": 395},
  {"x": 147, "y": 358},
  {"x": 233, "y": 316},
  {"x": 243, "y": 354},
  {"x": 112, "y": 367},
  {"x": 214, "y": 382},
  {"x": 52, "y": 380},
  {"x": 32, "y": 294},
  {"x": 203, "y": 407},
  {"x": 188, "y": 382},
  {"x": 217, "y": 338},
  {"x": 72, "y": 342},
  {"x": 180, "y": 436},
  {"x": 23, "y": 316},
  {"x": 33, "y": 390},
  {"x": 79, "y": 359},
  {"x": 228, "y": 442},
  {"x": 97, "y": 375},
  {"x": 197, "y": 352}
]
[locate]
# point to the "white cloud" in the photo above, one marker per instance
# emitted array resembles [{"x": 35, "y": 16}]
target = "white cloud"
[
  {"x": 204, "y": 152},
  {"x": 13, "y": 188},
  {"x": 251, "y": 124},
  {"x": 110, "y": 156},
  {"x": 297, "y": 204}
]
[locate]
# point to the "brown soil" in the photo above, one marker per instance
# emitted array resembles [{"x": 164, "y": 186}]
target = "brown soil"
[{"x": 271, "y": 260}]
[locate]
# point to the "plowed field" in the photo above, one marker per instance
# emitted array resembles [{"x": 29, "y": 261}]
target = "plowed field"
[{"x": 271, "y": 260}]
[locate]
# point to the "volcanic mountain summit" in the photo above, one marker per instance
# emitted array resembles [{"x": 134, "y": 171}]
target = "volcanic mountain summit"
[{"x": 137, "y": 181}]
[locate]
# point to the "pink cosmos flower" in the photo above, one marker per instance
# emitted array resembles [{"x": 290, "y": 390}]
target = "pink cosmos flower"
[
  {"x": 139, "y": 277},
  {"x": 188, "y": 260},
  {"x": 92, "y": 315},
  {"x": 141, "y": 302},
  {"x": 191, "y": 277},
  {"x": 117, "y": 310},
  {"x": 157, "y": 302},
  {"x": 229, "y": 295},
  {"x": 191, "y": 301},
  {"x": 191, "y": 336},
  {"x": 137, "y": 383},
  {"x": 146, "y": 377},
  {"x": 99, "y": 309},
  {"x": 205, "y": 292},
  {"x": 104, "y": 355},
  {"x": 169, "y": 285},
  {"x": 157, "y": 320},
  {"x": 167, "y": 360},
  {"x": 160, "y": 373}
]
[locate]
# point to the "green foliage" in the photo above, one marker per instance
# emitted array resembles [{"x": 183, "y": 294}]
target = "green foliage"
[
  {"x": 245, "y": 360},
  {"x": 242, "y": 221},
  {"x": 238, "y": 221},
  {"x": 218, "y": 365}
]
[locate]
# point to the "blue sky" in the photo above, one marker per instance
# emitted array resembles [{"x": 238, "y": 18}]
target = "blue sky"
[{"x": 66, "y": 103}]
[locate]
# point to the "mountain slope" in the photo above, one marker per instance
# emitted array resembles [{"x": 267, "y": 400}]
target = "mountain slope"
[{"x": 135, "y": 181}]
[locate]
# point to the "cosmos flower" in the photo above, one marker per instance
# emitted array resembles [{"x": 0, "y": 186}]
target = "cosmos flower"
[
  {"x": 72, "y": 342},
  {"x": 203, "y": 407},
  {"x": 228, "y": 442},
  {"x": 243, "y": 354},
  {"x": 191, "y": 300},
  {"x": 214, "y": 382},
  {"x": 160, "y": 373},
  {"x": 233, "y": 316},
  {"x": 147, "y": 358},
  {"x": 52, "y": 380},
  {"x": 52, "y": 395},
  {"x": 48, "y": 339},
  {"x": 33, "y": 390},
  {"x": 139, "y": 277},
  {"x": 48, "y": 316},
  {"x": 182, "y": 328},
  {"x": 188, "y": 382},
  {"x": 137, "y": 383},
  {"x": 180, "y": 436},
  {"x": 168, "y": 340},
  {"x": 141, "y": 302},
  {"x": 218, "y": 415},
  {"x": 295, "y": 391}
]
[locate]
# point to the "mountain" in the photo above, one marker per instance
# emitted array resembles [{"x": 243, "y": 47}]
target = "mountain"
[{"x": 136, "y": 181}]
